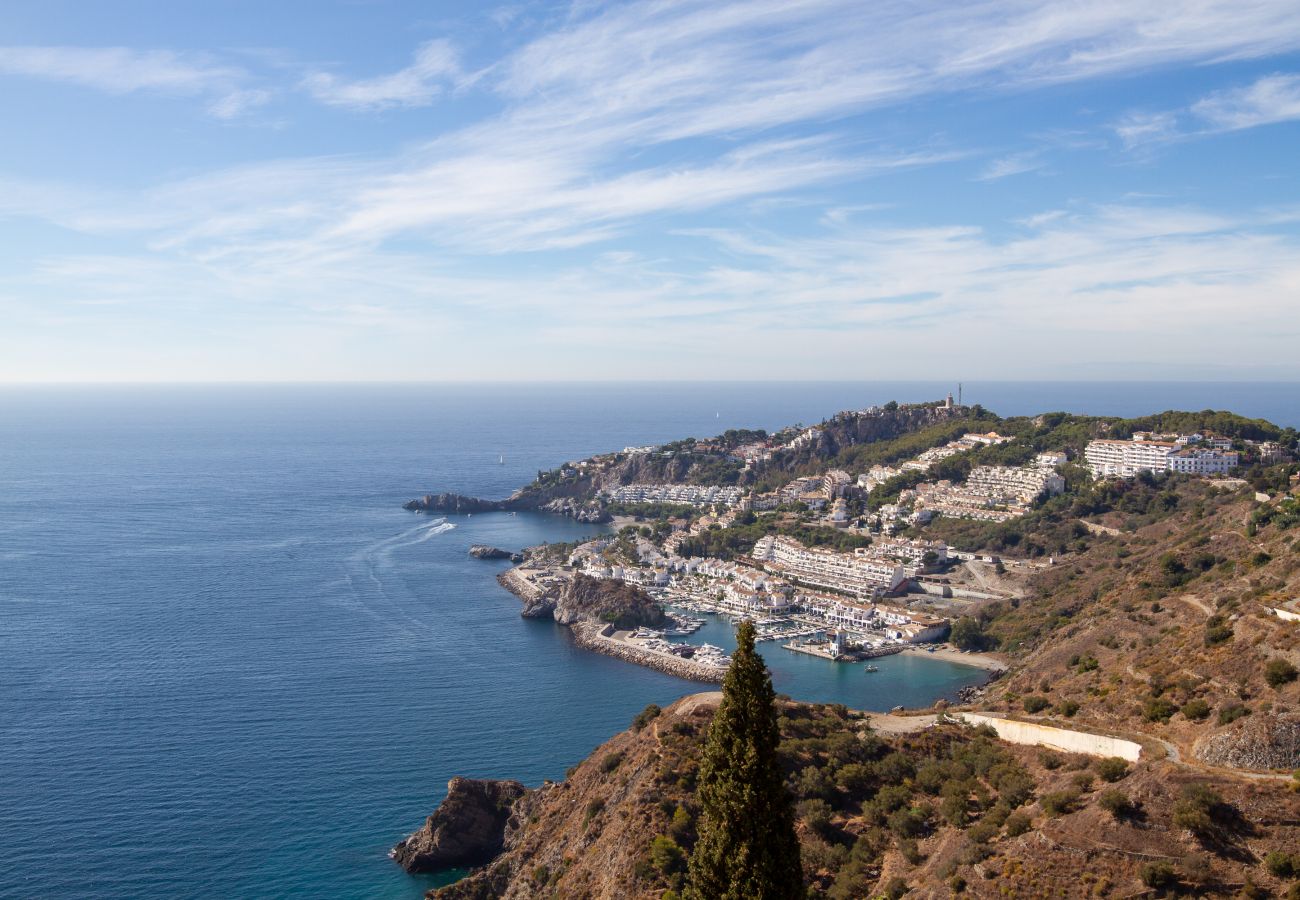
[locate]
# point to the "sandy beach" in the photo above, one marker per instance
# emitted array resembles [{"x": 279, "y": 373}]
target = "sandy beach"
[{"x": 989, "y": 661}]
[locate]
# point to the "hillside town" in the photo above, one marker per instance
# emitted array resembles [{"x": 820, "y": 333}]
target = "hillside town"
[{"x": 840, "y": 563}]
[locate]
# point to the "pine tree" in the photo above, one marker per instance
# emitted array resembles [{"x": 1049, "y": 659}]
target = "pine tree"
[{"x": 747, "y": 849}]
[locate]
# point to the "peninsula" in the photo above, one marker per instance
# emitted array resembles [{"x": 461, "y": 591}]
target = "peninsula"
[{"x": 1138, "y": 579}]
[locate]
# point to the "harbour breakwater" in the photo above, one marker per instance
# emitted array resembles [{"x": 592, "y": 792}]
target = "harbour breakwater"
[
  {"x": 591, "y": 636},
  {"x": 600, "y": 636}
]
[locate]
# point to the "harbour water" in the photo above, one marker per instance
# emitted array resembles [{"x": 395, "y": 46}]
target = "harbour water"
[{"x": 232, "y": 665}]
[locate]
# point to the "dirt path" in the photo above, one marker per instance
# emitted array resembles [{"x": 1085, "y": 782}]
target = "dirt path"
[{"x": 1193, "y": 600}]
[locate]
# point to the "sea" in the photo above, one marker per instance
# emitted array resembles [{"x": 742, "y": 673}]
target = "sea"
[{"x": 231, "y": 665}]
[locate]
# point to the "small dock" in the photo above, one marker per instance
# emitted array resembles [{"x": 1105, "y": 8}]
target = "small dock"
[{"x": 824, "y": 651}]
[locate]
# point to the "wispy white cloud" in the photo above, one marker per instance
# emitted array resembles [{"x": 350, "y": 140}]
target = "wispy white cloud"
[
  {"x": 1268, "y": 101},
  {"x": 1112, "y": 277},
  {"x": 1272, "y": 99},
  {"x": 604, "y": 131},
  {"x": 435, "y": 65},
  {"x": 122, "y": 70},
  {"x": 1013, "y": 164},
  {"x": 1138, "y": 129}
]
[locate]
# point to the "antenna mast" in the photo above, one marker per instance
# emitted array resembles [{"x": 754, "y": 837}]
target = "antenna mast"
[{"x": 959, "y": 393}]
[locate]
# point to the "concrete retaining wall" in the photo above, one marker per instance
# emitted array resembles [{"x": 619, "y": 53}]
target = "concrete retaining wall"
[{"x": 1035, "y": 735}]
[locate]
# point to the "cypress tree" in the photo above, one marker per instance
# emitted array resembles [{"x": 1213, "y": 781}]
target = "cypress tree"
[{"x": 747, "y": 849}]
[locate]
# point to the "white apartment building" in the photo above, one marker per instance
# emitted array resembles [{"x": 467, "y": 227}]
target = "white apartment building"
[
  {"x": 822, "y": 567},
  {"x": 1128, "y": 458},
  {"x": 1198, "y": 461},
  {"x": 1024, "y": 485},
  {"x": 909, "y": 552},
  {"x": 687, "y": 494},
  {"x": 1125, "y": 459}
]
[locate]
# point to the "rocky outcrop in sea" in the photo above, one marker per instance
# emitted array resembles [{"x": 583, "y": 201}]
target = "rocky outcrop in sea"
[
  {"x": 483, "y": 551},
  {"x": 454, "y": 503},
  {"x": 468, "y": 828}
]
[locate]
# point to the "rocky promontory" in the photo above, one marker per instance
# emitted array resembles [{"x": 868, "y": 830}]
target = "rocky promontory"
[
  {"x": 468, "y": 828},
  {"x": 601, "y": 601},
  {"x": 454, "y": 503},
  {"x": 483, "y": 551}
]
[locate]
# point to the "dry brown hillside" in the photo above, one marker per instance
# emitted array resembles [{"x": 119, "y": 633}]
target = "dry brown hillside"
[
  {"x": 942, "y": 812},
  {"x": 1166, "y": 628}
]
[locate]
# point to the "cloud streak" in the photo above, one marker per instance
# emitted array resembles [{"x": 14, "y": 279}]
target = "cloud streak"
[
  {"x": 122, "y": 70},
  {"x": 436, "y": 64}
]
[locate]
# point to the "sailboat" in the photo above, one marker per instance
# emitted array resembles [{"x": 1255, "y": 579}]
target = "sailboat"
[{"x": 501, "y": 460}]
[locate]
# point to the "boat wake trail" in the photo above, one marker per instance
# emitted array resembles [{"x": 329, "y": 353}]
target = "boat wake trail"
[{"x": 365, "y": 574}]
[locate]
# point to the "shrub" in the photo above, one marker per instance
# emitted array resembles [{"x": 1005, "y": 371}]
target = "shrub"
[
  {"x": 1198, "y": 808},
  {"x": 1017, "y": 824},
  {"x": 666, "y": 856},
  {"x": 1231, "y": 713},
  {"x": 1216, "y": 631},
  {"x": 593, "y": 809},
  {"x": 817, "y": 815},
  {"x": 1112, "y": 768},
  {"x": 894, "y": 889},
  {"x": 908, "y": 822},
  {"x": 644, "y": 716},
  {"x": 1059, "y": 802},
  {"x": 1158, "y": 709},
  {"x": 955, "y": 810},
  {"x": 611, "y": 762},
  {"x": 1279, "y": 672},
  {"x": 682, "y": 828},
  {"x": 1067, "y": 708},
  {"x": 1158, "y": 875},
  {"x": 1283, "y": 865},
  {"x": 910, "y": 850},
  {"x": 1115, "y": 802},
  {"x": 1034, "y": 703},
  {"x": 1196, "y": 709}
]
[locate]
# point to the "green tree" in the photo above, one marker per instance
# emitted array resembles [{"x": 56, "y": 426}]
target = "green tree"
[{"x": 747, "y": 846}]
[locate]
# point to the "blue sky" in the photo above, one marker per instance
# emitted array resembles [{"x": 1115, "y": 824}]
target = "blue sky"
[{"x": 321, "y": 191}]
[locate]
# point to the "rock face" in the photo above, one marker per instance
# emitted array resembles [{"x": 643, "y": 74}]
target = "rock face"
[
  {"x": 589, "y": 512},
  {"x": 1257, "y": 742},
  {"x": 606, "y": 601},
  {"x": 468, "y": 828},
  {"x": 482, "y": 551},
  {"x": 454, "y": 503}
]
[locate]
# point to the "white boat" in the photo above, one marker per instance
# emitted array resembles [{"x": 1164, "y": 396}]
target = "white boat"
[{"x": 871, "y": 668}]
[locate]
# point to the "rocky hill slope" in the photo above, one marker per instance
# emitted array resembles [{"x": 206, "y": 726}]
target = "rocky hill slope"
[
  {"x": 943, "y": 811},
  {"x": 1164, "y": 625}
]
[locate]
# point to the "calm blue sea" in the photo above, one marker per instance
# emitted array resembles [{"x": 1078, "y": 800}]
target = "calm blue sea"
[{"x": 231, "y": 665}]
